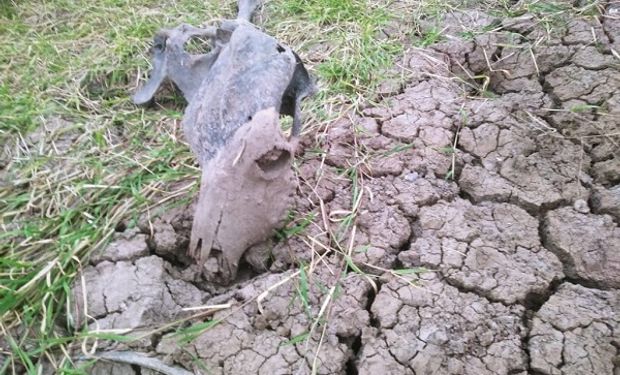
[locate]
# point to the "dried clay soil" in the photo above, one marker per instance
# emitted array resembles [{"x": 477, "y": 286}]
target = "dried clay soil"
[{"x": 522, "y": 238}]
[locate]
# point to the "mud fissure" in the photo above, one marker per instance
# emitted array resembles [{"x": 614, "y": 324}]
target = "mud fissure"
[
  {"x": 535, "y": 300},
  {"x": 351, "y": 367}
]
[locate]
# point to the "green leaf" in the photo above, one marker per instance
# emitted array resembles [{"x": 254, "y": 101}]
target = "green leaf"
[
  {"x": 448, "y": 150},
  {"x": 190, "y": 333},
  {"x": 304, "y": 289},
  {"x": 353, "y": 266},
  {"x": 296, "y": 339}
]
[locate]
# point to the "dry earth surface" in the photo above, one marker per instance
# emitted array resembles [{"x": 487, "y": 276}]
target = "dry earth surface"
[{"x": 510, "y": 202}]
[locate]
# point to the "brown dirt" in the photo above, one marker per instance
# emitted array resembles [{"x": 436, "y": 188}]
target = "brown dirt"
[{"x": 521, "y": 244}]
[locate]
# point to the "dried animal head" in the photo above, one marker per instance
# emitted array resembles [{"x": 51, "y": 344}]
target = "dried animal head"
[
  {"x": 245, "y": 192},
  {"x": 235, "y": 94}
]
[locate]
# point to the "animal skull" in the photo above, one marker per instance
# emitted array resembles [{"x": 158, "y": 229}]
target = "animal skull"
[{"x": 235, "y": 95}]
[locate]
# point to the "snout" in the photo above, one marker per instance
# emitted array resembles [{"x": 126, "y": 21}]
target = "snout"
[{"x": 246, "y": 191}]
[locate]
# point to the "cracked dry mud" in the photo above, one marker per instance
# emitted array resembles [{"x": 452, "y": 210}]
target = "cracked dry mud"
[{"x": 522, "y": 244}]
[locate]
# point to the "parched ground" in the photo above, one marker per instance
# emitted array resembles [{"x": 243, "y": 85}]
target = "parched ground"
[
  {"x": 465, "y": 221},
  {"x": 445, "y": 232}
]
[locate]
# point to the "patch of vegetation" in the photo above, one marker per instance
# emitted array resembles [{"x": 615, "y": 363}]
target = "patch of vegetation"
[
  {"x": 343, "y": 38},
  {"x": 78, "y": 157}
]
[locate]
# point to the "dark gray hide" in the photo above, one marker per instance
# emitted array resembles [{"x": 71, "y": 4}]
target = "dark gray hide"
[
  {"x": 246, "y": 68},
  {"x": 251, "y": 73},
  {"x": 171, "y": 61},
  {"x": 247, "y": 72}
]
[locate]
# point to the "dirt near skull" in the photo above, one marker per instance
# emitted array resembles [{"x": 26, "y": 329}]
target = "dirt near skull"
[{"x": 465, "y": 220}]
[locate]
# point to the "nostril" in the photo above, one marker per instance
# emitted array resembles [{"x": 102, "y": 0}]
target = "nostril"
[
  {"x": 198, "y": 246},
  {"x": 273, "y": 160}
]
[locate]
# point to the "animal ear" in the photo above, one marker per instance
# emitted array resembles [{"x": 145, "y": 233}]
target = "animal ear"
[
  {"x": 145, "y": 94},
  {"x": 247, "y": 8}
]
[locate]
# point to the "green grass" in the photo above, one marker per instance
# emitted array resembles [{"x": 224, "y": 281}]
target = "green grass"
[
  {"x": 68, "y": 67},
  {"x": 295, "y": 226},
  {"x": 351, "y": 57},
  {"x": 78, "y": 157}
]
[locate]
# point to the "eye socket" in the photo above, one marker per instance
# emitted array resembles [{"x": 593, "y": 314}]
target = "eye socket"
[
  {"x": 159, "y": 44},
  {"x": 273, "y": 160}
]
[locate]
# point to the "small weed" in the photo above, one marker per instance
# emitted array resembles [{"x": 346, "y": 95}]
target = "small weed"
[
  {"x": 348, "y": 218},
  {"x": 398, "y": 149},
  {"x": 294, "y": 226},
  {"x": 351, "y": 265},
  {"x": 188, "y": 334},
  {"x": 410, "y": 271},
  {"x": 448, "y": 150},
  {"x": 580, "y": 108},
  {"x": 362, "y": 249},
  {"x": 303, "y": 289},
  {"x": 471, "y": 34},
  {"x": 430, "y": 37},
  {"x": 296, "y": 339}
]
